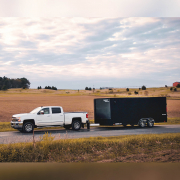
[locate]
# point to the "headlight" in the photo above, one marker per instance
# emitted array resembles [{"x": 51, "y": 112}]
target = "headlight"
[{"x": 16, "y": 119}]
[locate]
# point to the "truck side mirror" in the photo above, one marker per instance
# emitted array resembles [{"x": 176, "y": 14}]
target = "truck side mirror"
[{"x": 41, "y": 112}]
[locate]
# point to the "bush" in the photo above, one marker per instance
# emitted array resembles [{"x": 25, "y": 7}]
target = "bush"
[
  {"x": 127, "y": 89},
  {"x": 175, "y": 89},
  {"x": 135, "y": 92}
]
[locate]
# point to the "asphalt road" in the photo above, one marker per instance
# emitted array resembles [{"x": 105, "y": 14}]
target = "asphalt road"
[{"x": 16, "y": 136}]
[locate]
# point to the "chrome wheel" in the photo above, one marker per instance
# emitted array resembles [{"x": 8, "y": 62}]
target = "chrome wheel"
[
  {"x": 28, "y": 127},
  {"x": 76, "y": 125},
  {"x": 142, "y": 123},
  {"x": 150, "y": 123}
]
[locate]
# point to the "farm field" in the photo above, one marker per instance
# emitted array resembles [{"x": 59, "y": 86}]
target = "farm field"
[{"x": 16, "y": 101}]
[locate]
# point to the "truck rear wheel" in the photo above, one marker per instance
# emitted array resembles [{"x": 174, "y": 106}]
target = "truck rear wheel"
[
  {"x": 28, "y": 127},
  {"x": 76, "y": 125}
]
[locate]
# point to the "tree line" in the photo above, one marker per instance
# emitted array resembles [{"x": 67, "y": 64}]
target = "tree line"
[
  {"x": 48, "y": 87},
  {"x": 7, "y": 83}
]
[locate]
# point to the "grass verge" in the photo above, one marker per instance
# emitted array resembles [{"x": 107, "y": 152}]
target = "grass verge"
[{"x": 131, "y": 148}]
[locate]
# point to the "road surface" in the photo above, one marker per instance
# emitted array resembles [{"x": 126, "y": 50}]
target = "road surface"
[{"x": 61, "y": 133}]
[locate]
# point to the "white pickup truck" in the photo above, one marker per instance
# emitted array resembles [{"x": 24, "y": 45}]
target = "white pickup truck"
[{"x": 49, "y": 116}]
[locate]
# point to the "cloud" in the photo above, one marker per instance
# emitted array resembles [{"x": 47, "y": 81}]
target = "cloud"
[
  {"x": 89, "y": 8},
  {"x": 90, "y": 49}
]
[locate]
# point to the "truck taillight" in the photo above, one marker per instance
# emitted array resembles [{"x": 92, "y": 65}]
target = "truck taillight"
[{"x": 86, "y": 115}]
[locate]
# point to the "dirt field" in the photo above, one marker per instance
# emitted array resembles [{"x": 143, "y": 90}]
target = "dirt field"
[
  {"x": 23, "y": 104},
  {"x": 15, "y": 104}
]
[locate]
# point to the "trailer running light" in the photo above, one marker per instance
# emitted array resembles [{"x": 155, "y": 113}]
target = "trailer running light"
[{"x": 86, "y": 115}]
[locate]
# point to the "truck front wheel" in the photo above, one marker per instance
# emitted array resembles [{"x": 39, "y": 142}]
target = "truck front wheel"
[
  {"x": 28, "y": 127},
  {"x": 76, "y": 125}
]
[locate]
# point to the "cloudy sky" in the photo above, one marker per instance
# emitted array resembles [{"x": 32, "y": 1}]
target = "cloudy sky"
[{"x": 75, "y": 52}]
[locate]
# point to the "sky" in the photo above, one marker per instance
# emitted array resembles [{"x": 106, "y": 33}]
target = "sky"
[{"x": 79, "y": 50}]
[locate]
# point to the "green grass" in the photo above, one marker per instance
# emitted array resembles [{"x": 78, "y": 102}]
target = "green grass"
[
  {"x": 6, "y": 126},
  {"x": 131, "y": 148}
]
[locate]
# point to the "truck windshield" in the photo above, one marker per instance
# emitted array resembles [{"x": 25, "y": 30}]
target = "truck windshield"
[{"x": 35, "y": 110}]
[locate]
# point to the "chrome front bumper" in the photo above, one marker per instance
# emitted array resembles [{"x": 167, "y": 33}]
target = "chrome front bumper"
[{"x": 16, "y": 125}]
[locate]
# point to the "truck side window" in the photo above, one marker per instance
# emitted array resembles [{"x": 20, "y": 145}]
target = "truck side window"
[
  {"x": 56, "y": 110},
  {"x": 46, "y": 110}
]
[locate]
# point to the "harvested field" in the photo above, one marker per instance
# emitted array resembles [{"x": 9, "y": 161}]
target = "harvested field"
[
  {"x": 173, "y": 108},
  {"x": 15, "y": 104},
  {"x": 23, "y": 104}
]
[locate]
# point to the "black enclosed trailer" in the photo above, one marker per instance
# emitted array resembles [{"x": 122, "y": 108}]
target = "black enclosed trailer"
[{"x": 141, "y": 111}]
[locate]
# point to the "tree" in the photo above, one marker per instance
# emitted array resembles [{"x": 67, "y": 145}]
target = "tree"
[
  {"x": 25, "y": 83},
  {"x": 4, "y": 88},
  {"x": 171, "y": 89},
  {"x": 54, "y": 88},
  {"x": 175, "y": 89},
  {"x": 178, "y": 86},
  {"x": 127, "y": 89},
  {"x": 14, "y": 83},
  {"x": 143, "y": 87},
  {"x": 86, "y": 88}
]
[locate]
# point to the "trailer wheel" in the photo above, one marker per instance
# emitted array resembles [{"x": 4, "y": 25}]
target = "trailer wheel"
[
  {"x": 150, "y": 123},
  {"x": 142, "y": 123},
  {"x": 28, "y": 127},
  {"x": 76, "y": 125}
]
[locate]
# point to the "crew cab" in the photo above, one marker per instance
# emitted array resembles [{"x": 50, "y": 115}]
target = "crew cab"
[{"x": 49, "y": 116}]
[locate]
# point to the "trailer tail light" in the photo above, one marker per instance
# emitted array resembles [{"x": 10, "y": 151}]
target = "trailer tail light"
[{"x": 86, "y": 115}]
